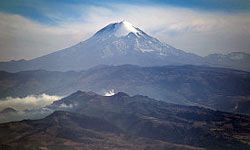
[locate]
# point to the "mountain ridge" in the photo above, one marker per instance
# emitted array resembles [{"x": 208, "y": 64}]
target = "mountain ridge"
[
  {"x": 67, "y": 130},
  {"x": 117, "y": 44},
  {"x": 217, "y": 88},
  {"x": 96, "y": 119}
]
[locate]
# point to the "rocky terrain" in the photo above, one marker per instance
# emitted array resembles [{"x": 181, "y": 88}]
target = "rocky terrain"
[{"x": 91, "y": 121}]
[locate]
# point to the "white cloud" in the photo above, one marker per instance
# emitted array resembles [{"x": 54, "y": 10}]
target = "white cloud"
[
  {"x": 22, "y": 38},
  {"x": 29, "y": 102},
  {"x": 197, "y": 31}
]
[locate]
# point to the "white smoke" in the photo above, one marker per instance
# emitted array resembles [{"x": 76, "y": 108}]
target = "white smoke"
[
  {"x": 109, "y": 93},
  {"x": 28, "y": 102},
  {"x": 65, "y": 106}
]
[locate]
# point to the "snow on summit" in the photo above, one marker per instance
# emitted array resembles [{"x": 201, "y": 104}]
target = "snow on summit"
[
  {"x": 118, "y": 29},
  {"x": 124, "y": 28},
  {"x": 115, "y": 44},
  {"x": 122, "y": 38}
]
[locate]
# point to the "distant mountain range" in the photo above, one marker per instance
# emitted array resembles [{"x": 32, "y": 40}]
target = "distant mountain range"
[
  {"x": 236, "y": 60},
  {"x": 217, "y": 88},
  {"x": 122, "y": 43},
  {"x": 86, "y": 120},
  {"x": 181, "y": 108},
  {"x": 7, "y": 110}
]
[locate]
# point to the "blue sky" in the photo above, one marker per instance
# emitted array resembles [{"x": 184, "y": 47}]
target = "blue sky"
[
  {"x": 32, "y": 28},
  {"x": 37, "y": 10}
]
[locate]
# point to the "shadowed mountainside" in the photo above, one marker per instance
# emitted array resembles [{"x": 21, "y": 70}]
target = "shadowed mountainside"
[
  {"x": 122, "y": 121},
  {"x": 65, "y": 130},
  {"x": 217, "y": 88}
]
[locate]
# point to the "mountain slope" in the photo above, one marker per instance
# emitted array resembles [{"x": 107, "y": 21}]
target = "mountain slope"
[
  {"x": 65, "y": 130},
  {"x": 141, "y": 116},
  {"x": 122, "y": 43},
  {"x": 217, "y": 88},
  {"x": 115, "y": 44},
  {"x": 124, "y": 122}
]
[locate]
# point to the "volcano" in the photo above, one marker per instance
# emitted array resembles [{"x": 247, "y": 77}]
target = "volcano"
[{"x": 115, "y": 44}]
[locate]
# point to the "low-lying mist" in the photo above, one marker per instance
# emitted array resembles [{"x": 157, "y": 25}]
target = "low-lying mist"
[
  {"x": 29, "y": 107},
  {"x": 28, "y": 102}
]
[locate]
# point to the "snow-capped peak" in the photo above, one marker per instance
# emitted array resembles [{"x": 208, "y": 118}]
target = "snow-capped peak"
[
  {"x": 119, "y": 29},
  {"x": 124, "y": 28}
]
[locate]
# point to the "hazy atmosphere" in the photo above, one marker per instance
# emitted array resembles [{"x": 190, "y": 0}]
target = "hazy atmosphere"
[
  {"x": 125, "y": 75},
  {"x": 29, "y": 29}
]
